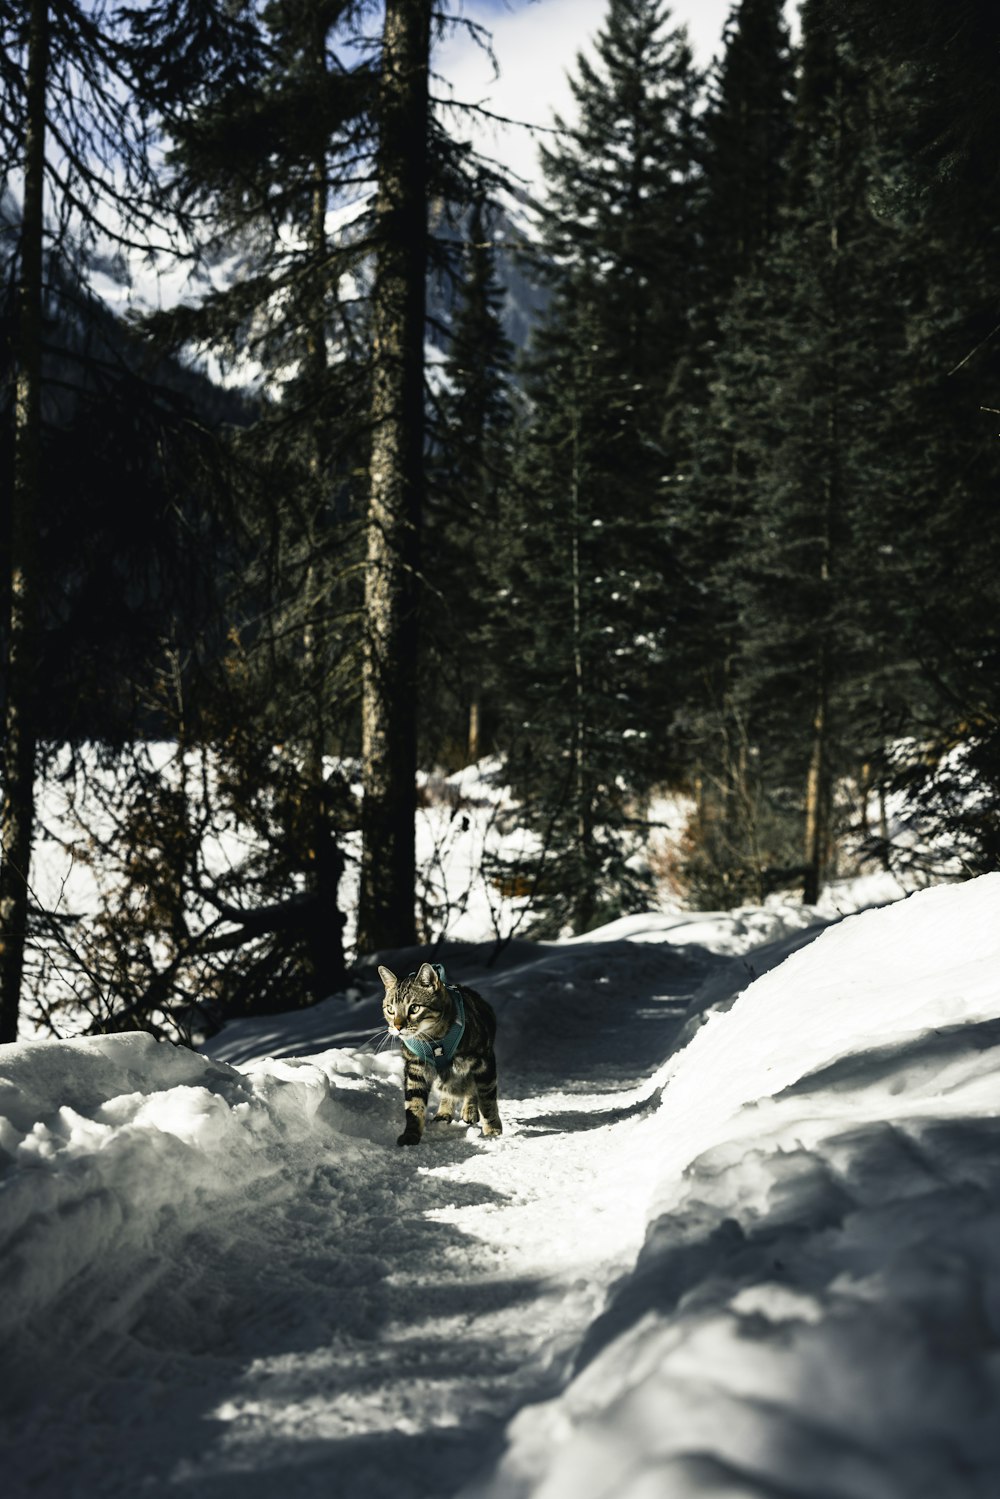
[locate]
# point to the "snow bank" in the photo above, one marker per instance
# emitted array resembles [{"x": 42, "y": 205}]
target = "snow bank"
[
  {"x": 746, "y": 929},
  {"x": 816, "y": 1309},
  {"x": 109, "y": 1143},
  {"x": 802, "y": 1205}
]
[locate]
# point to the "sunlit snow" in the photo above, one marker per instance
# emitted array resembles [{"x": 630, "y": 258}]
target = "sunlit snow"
[{"x": 741, "y": 1235}]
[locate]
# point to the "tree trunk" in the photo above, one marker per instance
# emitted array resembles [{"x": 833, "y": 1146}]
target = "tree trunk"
[
  {"x": 325, "y": 966},
  {"x": 817, "y": 794},
  {"x": 883, "y": 830},
  {"x": 389, "y": 681},
  {"x": 818, "y": 783},
  {"x": 585, "y": 904},
  {"x": 472, "y": 750},
  {"x": 17, "y": 816}
]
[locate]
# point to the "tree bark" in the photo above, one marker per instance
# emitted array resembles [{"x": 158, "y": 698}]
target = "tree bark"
[
  {"x": 818, "y": 777},
  {"x": 389, "y": 682},
  {"x": 17, "y": 815},
  {"x": 585, "y": 903},
  {"x": 817, "y": 818},
  {"x": 325, "y": 967}
]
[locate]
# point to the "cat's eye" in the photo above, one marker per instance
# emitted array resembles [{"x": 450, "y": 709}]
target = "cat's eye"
[{"x": 416, "y": 1009}]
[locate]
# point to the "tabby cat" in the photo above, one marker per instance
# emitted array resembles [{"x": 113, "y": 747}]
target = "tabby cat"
[{"x": 447, "y": 1033}]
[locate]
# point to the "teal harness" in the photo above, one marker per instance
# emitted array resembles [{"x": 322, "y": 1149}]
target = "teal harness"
[{"x": 441, "y": 1050}]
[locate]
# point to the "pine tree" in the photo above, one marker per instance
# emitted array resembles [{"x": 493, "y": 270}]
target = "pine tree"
[
  {"x": 741, "y": 198},
  {"x": 813, "y": 343},
  {"x": 277, "y": 139},
  {"x": 617, "y": 216},
  {"x": 747, "y": 128},
  {"x": 591, "y": 617},
  {"x": 386, "y": 915},
  {"x": 943, "y": 113},
  {"x": 270, "y": 132},
  {"x": 17, "y": 817},
  {"x": 65, "y": 78},
  {"x": 471, "y": 419},
  {"x": 577, "y": 719}
]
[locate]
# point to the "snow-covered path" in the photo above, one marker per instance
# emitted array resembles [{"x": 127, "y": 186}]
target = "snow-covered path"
[
  {"x": 738, "y": 1244},
  {"x": 360, "y": 1318}
]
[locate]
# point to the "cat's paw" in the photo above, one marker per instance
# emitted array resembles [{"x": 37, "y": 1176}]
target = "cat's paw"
[
  {"x": 409, "y": 1137},
  {"x": 492, "y": 1129}
]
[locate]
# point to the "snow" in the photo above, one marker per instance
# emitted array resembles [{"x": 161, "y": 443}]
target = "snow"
[
  {"x": 472, "y": 854},
  {"x": 81, "y": 864},
  {"x": 741, "y": 1235}
]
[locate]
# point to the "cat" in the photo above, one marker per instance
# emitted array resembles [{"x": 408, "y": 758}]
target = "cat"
[{"x": 447, "y": 1033}]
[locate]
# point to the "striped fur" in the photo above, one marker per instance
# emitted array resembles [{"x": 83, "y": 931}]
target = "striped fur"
[{"x": 421, "y": 1005}]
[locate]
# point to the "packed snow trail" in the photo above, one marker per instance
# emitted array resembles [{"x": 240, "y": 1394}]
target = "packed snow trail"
[
  {"x": 232, "y": 1313},
  {"x": 767, "y": 1268}
]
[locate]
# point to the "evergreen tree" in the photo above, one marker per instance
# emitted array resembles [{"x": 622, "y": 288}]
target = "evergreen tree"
[
  {"x": 748, "y": 129},
  {"x": 589, "y": 595},
  {"x": 943, "y": 112},
  {"x": 294, "y": 131},
  {"x": 66, "y": 80},
  {"x": 579, "y": 677},
  {"x": 20, "y": 736},
  {"x": 617, "y": 216},
  {"x": 386, "y": 914},
  {"x": 814, "y": 342},
  {"x": 268, "y": 136},
  {"x": 741, "y": 198},
  {"x": 470, "y": 461}
]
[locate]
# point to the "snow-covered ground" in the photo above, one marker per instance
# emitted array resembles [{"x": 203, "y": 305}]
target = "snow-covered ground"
[
  {"x": 741, "y": 1236},
  {"x": 473, "y": 854}
]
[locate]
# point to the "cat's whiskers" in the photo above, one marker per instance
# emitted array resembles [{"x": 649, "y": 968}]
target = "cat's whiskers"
[
  {"x": 371, "y": 1039},
  {"x": 381, "y": 1038}
]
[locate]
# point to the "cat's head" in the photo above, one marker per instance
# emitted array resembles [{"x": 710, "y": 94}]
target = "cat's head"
[{"x": 418, "y": 1005}]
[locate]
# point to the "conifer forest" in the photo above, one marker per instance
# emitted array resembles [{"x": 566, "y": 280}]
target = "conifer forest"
[{"x": 670, "y": 478}]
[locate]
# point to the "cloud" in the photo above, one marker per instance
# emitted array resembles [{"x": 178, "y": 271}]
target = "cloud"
[{"x": 536, "y": 44}]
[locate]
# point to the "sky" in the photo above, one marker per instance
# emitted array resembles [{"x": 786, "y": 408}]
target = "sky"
[{"x": 536, "y": 43}]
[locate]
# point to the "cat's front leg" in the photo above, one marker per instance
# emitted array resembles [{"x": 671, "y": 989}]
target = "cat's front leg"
[{"x": 416, "y": 1091}]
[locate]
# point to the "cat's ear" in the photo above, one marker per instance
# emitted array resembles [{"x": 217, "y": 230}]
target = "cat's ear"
[
  {"x": 388, "y": 978},
  {"x": 426, "y": 977}
]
